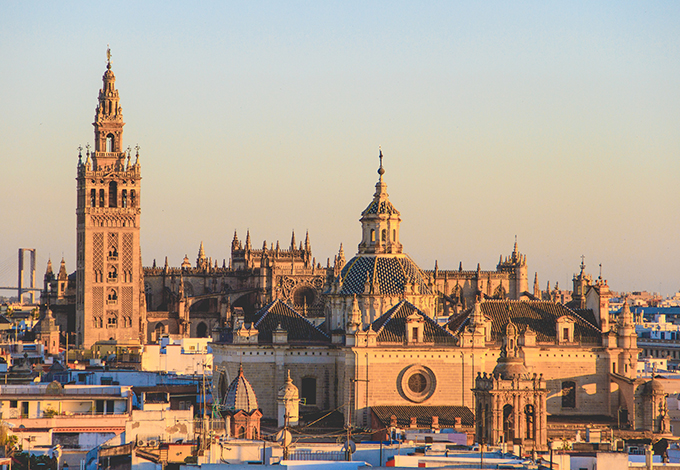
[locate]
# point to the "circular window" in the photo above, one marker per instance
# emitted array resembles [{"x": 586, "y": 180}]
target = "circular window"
[{"x": 417, "y": 383}]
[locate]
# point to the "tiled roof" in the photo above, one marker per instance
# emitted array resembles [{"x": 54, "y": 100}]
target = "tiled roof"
[
  {"x": 540, "y": 316},
  {"x": 391, "y": 326},
  {"x": 447, "y": 415},
  {"x": 380, "y": 206},
  {"x": 391, "y": 272},
  {"x": 240, "y": 394},
  {"x": 298, "y": 327}
]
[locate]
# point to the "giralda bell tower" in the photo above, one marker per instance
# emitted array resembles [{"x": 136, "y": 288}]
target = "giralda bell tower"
[{"x": 109, "y": 301}]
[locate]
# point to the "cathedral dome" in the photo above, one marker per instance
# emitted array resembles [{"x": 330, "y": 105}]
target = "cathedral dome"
[
  {"x": 389, "y": 274},
  {"x": 654, "y": 386},
  {"x": 240, "y": 394},
  {"x": 509, "y": 367},
  {"x": 380, "y": 206}
]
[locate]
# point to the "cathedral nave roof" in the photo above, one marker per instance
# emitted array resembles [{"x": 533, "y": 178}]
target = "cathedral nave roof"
[
  {"x": 391, "y": 326},
  {"x": 539, "y": 316},
  {"x": 278, "y": 313}
]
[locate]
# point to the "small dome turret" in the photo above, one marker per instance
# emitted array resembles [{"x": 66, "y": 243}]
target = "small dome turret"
[{"x": 240, "y": 394}]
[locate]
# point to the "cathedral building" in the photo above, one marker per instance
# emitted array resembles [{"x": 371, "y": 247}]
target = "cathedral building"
[
  {"x": 384, "y": 351},
  {"x": 375, "y": 337}
]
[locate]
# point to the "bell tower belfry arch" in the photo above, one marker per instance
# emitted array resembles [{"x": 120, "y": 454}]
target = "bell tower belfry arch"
[{"x": 109, "y": 276}]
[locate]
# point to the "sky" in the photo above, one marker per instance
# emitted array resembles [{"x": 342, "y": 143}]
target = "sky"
[{"x": 553, "y": 122}]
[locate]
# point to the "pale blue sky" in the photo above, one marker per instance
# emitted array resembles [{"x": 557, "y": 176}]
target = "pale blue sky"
[{"x": 553, "y": 121}]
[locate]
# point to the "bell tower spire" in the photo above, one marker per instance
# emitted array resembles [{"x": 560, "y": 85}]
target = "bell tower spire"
[
  {"x": 109, "y": 276},
  {"x": 108, "y": 123}
]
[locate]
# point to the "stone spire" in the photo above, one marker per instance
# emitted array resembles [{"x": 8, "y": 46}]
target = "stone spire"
[
  {"x": 249, "y": 245},
  {"x": 108, "y": 123},
  {"x": 537, "y": 289},
  {"x": 234, "y": 242},
  {"x": 308, "y": 245},
  {"x": 292, "y": 241},
  {"x": 354, "y": 323},
  {"x": 48, "y": 271},
  {"x": 63, "y": 275},
  {"x": 202, "y": 260}
]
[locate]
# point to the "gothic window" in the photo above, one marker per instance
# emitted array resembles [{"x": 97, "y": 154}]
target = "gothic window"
[
  {"x": 304, "y": 297},
  {"x": 102, "y": 198},
  {"x": 133, "y": 199},
  {"x": 109, "y": 143},
  {"x": 241, "y": 433},
  {"x": 309, "y": 390},
  {"x": 256, "y": 434},
  {"x": 149, "y": 295},
  {"x": 568, "y": 394},
  {"x": 530, "y": 416},
  {"x": 202, "y": 330},
  {"x": 113, "y": 194},
  {"x": 93, "y": 198}
]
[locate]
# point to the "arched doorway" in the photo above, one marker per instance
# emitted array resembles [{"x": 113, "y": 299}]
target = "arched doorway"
[{"x": 202, "y": 330}]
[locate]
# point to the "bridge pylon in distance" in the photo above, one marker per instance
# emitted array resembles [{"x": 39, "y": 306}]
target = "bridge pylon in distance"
[{"x": 20, "y": 285}]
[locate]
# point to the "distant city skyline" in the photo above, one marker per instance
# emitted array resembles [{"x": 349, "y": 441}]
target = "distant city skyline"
[{"x": 556, "y": 123}]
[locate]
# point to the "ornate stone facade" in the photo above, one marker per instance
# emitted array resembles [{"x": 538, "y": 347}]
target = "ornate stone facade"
[{"x": 109, "y": 304}]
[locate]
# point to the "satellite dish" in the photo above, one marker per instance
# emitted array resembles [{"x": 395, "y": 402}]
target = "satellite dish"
[
  {"x": 352, "y": 446},
  {"x": 284, "y": 438}
]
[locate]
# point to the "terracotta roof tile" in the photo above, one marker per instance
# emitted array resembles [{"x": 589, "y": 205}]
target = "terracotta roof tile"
[{"x": 447, "y": 415}]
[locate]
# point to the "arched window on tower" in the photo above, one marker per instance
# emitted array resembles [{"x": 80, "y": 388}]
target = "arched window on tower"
[
  {"x": 93, "y": 198},
  {"x": 394, "y": 235},
  {"x": 133, "y": 198},
  {"x": 372, "y": 236},
  {"x": 113, "y": 274},
  {"x": 109, "y": 143},
  {"x": 384, "y": 235},
  {"x": 113, "y": 194},
  {"x": 112, "y": 297},
  {"x": 102, "y": 198},
  {"x": 123, "y": 198}
]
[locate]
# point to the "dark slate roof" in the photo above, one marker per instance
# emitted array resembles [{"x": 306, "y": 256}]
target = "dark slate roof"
[
  {"x": 423, "y": 415},
  {"x": 298, "y": 327},
  {"x": 390, "y": 272},
  {"x": 391, "y": 326},
  {"x": 540, "y": 316}
]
